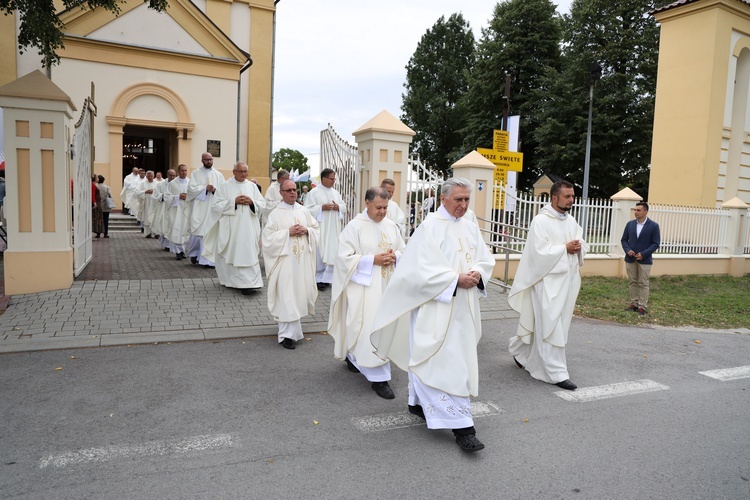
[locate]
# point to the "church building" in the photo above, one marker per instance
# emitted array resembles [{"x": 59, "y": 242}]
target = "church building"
[{"x": 167, "y": 86}]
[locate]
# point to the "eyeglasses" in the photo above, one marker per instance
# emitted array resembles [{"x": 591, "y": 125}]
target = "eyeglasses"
[
  {"x": 288, "y": 190},
  {"x": 330, "y": 178}
]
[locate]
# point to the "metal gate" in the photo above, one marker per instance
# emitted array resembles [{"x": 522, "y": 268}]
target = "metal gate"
[
  {"x": 342, "y": 157},
  {"x": 81, "y": 186},
  {"x": 422, "y": 187}
]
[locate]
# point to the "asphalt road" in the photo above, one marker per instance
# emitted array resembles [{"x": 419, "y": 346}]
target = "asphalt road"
[{"x": 248, "y": 419}]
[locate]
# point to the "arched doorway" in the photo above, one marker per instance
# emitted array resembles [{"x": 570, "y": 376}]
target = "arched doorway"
[
  {"x": 150, "y": 148},
  {"x": 169, "y": 131}
]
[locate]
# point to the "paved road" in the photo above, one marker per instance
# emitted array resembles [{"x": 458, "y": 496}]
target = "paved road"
[{"x": 244, "y": 418}]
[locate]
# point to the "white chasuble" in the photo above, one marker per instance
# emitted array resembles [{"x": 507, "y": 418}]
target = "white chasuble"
[
  {"x": 272, "y": 197},
  {"x": 178, "y": 211},
  {"x": 233, "y": 241},
  {"x": 148, "y": 204},
  {"x": 290, "y": 263},
  {"x": 329, "y": 220},
  {"x": 159, "y": 219},
  {"x": 136, "y": 202},
  {"x": 446, "y": 328},
  {"x": 549, "y": 269},
  {"x": 359, "y": 284},
  {"x": 201, "y": 216},
  {"x": 126, "y": 188}
]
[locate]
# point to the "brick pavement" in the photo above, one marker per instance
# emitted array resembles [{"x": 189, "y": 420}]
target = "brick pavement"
[{"x": 134, "y": 292}]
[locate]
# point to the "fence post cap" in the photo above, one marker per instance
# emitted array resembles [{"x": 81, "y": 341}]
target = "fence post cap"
[
  {"x": 735, "y": 203},
  {"x": 626, "y": 194}
]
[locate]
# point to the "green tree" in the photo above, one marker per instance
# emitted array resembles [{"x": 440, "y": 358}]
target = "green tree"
[
  {"x": 436, "y": 77},
  {"x": 41, "y": 27},
  {"x": 289, "y": 159},
  {"x": 623, "y": 38},
  {"x": 522, "y": 41}
]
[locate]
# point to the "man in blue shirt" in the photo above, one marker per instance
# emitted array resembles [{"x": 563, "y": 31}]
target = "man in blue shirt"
[{"x": 640, "y": 240}]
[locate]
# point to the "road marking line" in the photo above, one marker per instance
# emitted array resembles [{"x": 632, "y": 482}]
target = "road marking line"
[
  {"x": 195, "y": 443},
  {"x": 728, "y": 373},
  {"x": 611, "y": 391},
  {"x": 399, "y": 420}
]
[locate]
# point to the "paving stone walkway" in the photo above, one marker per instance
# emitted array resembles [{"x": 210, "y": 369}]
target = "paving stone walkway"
[{"x": 133, "y": 292}]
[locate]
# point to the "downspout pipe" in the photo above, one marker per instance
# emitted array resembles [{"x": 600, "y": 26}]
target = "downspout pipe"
[
  {"x": 273, "y": 85},
  {"x": 239, "y": 94}
]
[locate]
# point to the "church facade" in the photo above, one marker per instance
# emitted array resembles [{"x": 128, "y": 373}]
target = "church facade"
[{"x": 167, "y": 86}]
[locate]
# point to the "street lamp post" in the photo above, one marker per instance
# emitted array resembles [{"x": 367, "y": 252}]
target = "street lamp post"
[{"x": 595, "y": 72}]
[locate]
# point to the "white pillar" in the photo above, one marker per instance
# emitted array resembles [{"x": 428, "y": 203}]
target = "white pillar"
[
  {"x": 38, "y": 130},
  {"x": 383, "y": 145}
]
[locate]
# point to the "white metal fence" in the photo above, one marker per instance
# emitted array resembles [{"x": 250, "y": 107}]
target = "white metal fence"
[
  {"x": 691, "y": 230},
  {"x": 422, "y": 188},
  {"x": 512, "y": 226},
  {"x": 339, "y": 155}
]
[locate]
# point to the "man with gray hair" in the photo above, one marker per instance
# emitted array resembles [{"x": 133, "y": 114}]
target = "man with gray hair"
[
  {"x": 429, "y": 322},
  {"x": 368, "y": 249},
  {"x": 233, "y": 242}
]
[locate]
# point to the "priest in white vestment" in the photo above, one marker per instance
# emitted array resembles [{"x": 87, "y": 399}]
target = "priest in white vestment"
[
  {"x": 273, "y": 193},
  {"x": 136, "y": 203},
  {"x": 290, "y": 242},
  {"x": 178, "y": 212},
  {"x": 368, "y": 249},
  {"x": 327, "y": 207},
  {"x": 160, "y": 219},
  {"x": 429, "y": 322},
  {"x": 394, "y": 211},
  {"x": 147, "y": 205},
  {"x": 545, "y": 289},
  {"x": 233, "y": 242},
  {"x": 125, "y": 192},
  {"x": 203, "y": 184}
]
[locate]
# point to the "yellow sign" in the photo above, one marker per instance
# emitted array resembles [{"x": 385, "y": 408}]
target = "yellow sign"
[
  {"x": 507, "y": 160},
  {"x": 500, "y": 177},
  {"x": 500, "y": 140}
]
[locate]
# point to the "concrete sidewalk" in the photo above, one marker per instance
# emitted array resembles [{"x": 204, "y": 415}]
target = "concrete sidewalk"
[{"x": 133, "y": 292}]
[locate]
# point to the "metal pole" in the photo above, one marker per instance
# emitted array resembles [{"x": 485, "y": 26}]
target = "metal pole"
[
  {"x": 585, "y": 196},
  {"x": 595, "y": 72}
]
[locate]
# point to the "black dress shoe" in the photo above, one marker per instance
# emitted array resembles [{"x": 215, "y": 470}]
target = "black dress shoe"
[
  {"x": 351, "y": 366},
  {"x": 567, "y": 385},
  {"x": 322, "y": 286},
  {"x": 177, "y": 257},
  {"x": 166, "y": 249},
  {"x": 469, "y": 443},
  {"x": 194, "y": 260},
  {"x": 288, "y": 344},
  {"x": 418, "y": 411},
  {"x": 517, "y": 363},
  {"x": 383, "y": 390},
  {"x": 181, "y": 255}
]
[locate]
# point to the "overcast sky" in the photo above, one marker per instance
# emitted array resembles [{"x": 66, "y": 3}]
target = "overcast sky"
[{"x": 343, "y": 61}]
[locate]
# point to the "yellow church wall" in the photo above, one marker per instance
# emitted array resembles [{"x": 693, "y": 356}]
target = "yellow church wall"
[
  {"x": 689, "y": 116},
  {"x": 7, "y": 49},
  {"x": 259, "y": 89}
]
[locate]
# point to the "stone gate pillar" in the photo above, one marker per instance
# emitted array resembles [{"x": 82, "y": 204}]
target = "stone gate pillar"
[
  {"x": 383, "y": 145},
  {"x": 38, "y": 131}
]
